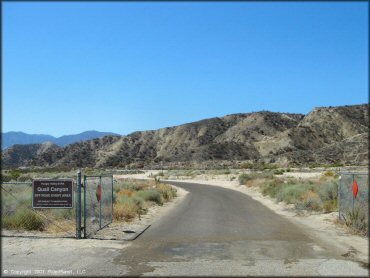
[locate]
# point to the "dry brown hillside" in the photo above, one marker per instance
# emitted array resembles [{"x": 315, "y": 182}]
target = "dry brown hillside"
[{"x": 325, "y": 135}]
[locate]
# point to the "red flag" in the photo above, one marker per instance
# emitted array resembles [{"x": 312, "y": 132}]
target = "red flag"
[
  {"x": 355, "y": 188},
  {"x": 98, "y": 193}
]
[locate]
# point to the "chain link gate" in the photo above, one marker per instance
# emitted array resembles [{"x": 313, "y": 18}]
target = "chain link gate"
[
  {"x": 97, "y": 203},
  {"x": 353, "y": 200},
  {"x": 19, "y": 218}
]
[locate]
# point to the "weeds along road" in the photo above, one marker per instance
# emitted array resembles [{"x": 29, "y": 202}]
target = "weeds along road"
[{"x": 216, "y": 231}]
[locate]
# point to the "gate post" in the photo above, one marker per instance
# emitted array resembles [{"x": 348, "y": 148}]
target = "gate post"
[
  {"x": 85, "y": 184},
  {"x": 78, "y": 208},
  {"x": 101, "y": 186}
]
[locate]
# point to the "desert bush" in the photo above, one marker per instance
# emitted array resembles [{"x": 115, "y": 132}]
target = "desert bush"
[
  {"x": 279, "y": 172},
  {"x": 357, "y": 220},
  {"x": 310, "y": 201},
  {"x": 24, "y": 219},
  {"x": 328, "y": 191},
  {"x": 265, "y": 175},
  {"x": 272, "y": 187},
  {"x": 150, "y": 195},
  {"x": 63, "y": 214},
  {"x": 138, "y": 201},
  {"x": 24, "y": 178},
  {"x": 5, "y": 178},
  {"x": 291, "y": 193},
  {"x": 329, "y": 174},
  {"x": 125, "y": 192},
  {"x": 247, "y": 165},
  {"x": 125, "y": 211},
  {"x": 15, "y": 174},
  {"x": 243, "y": 178},
  {"x": 222, "y": 172},
  {"x": 136, "y": 196},
  {"x": 330, "y": 205},
  {"x": 167, "y": 191}
]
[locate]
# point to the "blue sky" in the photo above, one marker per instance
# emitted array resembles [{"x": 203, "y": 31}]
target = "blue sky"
[{"x": 123, "y": 67}]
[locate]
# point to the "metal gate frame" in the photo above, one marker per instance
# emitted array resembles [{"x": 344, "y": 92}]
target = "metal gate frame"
[{"x": 81, "y": 209}]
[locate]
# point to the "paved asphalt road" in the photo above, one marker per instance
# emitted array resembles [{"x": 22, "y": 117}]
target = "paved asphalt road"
[{"x": 216, "y": 231}]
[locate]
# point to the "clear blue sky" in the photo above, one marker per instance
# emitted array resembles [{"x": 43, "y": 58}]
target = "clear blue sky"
[{"x": 122, "y": 67}]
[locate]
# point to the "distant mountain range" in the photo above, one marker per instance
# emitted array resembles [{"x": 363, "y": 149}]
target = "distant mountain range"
[
  {"x": 12, "y": 138},
  {"x": 326, "y": 135}
]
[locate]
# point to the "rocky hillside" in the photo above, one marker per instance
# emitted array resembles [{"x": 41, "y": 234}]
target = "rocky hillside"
[{"x": 325, "y": 136}]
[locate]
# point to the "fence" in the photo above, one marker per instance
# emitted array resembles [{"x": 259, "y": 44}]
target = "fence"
[
  {"x": 97, "y": 203},
  {"x": 353, "y": 200},
  {"x": 19, "y": 218}
]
